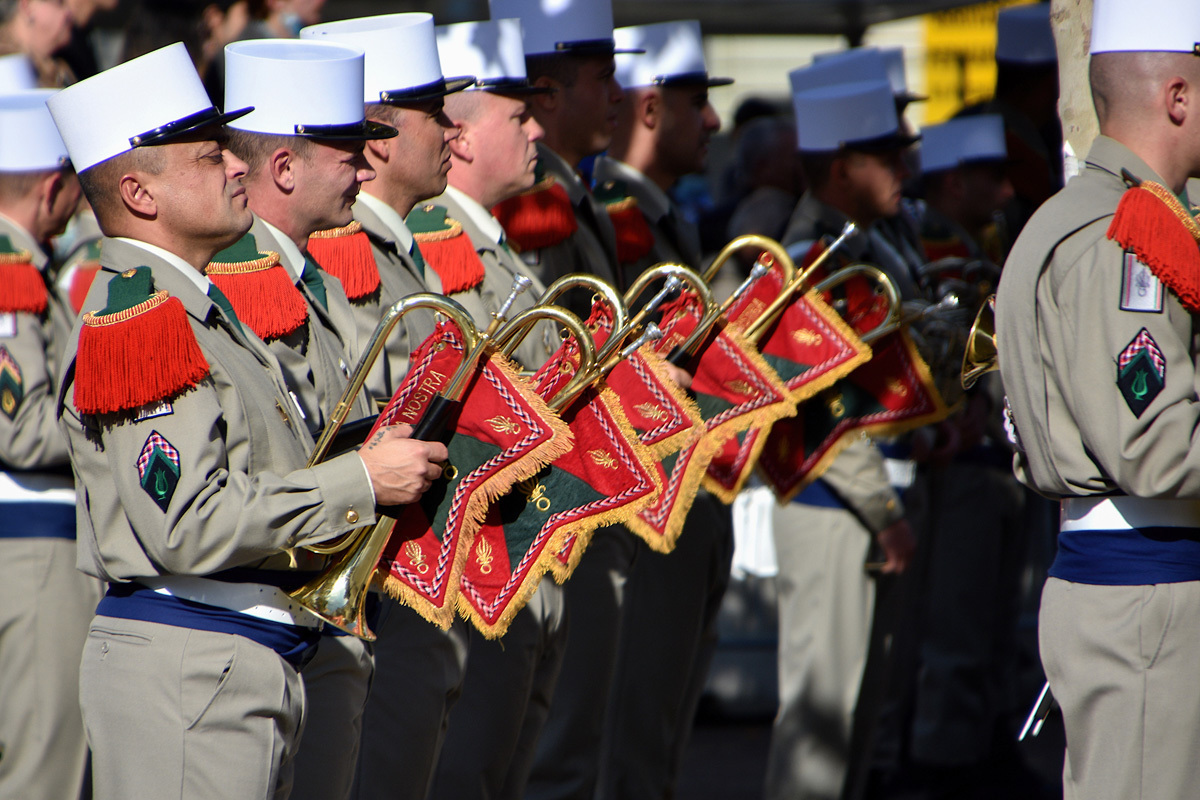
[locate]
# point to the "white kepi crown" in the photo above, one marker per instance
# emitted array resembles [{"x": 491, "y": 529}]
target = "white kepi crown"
[
  {"x": 299, "y": 88},
  {"x": 491, "y": 50},
  {"x": 17, "y": 74},
  {"x": 860, "y": 59},
  {"x": 1169, "y": 26},
  {"x": 964, "y": 140},
  {"x": 29, "y": 141},
  {"x": 1024, "y": 35},
  {"x": 584, "y": 27},
  {"x": 150, "y": 100},
  {"x": 860, "y": 115},
  {"x": 402, "y": 63},
  {"x": 673, "y": 55}
]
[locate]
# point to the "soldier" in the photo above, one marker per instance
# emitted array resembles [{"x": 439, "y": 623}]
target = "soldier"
[
  {"x": 663, "y": 133},
  {"x": 299, "y": 182},
  {"x": 190, "y": 459},
  {"x": 495, "y": 725},
  {"x": 419, "y": 668},
  {"x": 1098, "y": 352},
  {"x": 571, "y": 52},
  {"x": 851, "y": 147},
  {"x": 45, "y": 602}
]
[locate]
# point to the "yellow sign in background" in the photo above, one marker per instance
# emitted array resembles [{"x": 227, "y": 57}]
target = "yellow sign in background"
[{"x": 960, "y": 57}]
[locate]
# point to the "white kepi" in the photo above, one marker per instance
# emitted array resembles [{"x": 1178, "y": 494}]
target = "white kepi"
[
  {"x": 1168, "y": 26},
  {"x": 150, "y": 100},
  {"x": 17, "y": 74},
  {"x": 858, "y": 115},
  {"x": 299, "y": 88},
  {"x": 29, "y": 140},
  {"x": 402, "y": 64},
  {"x": 857, "y": 59},
  {"x": 583, "y": 27},
  {"x": 491, "y": 50},
  {"x": 965, "y": 140},
  {"x": 673, "y": 55}
]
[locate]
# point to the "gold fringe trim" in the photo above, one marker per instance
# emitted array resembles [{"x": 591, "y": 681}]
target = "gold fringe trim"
[
  {"x": 528, "y": 465},
  {"x": 1172, "y": 202},
  {"x": 585, "y": 529},
  {"x": 664, "y": 540},
  {"x": 337, "y": 233},
  {"x": 862, "y": 350},
  {"x": 762, "y": 418},
  {"x": 16, "y": 257},
  {"x": 687, "y": 406},
  {"x": 882, "y": 429},
  {"x": 624, "y": 204},
  {"x": 94, "y": 320},
  {"x": 270, "y": 258},
  {"x": 454, "y": 230}
]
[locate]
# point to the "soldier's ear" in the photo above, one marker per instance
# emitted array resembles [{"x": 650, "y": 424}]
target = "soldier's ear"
[
  {"x": 649, "y": 107},
  {"x": 137, "y": 196},
  {"x": 281, "y": 165},
  {"x": 462, "y": 146},
  {"x": 1178, "y": 95}
]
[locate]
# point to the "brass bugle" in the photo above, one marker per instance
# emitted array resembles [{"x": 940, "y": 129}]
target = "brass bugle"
[
  {"x": 511, "y": 335},
  {"x": 684, "y": 352},
  {"x": 981, "y": 355},
  {"x": 794, "y": 284},
  {"x": 435, "y": 302},
  {"x": 886, "y": 285},
  {"x": 676, "y": 275},
  {"x": 338, "y": 595},
  {"x": 774, "y": 251},
  {"x": 601, "y": 289}
]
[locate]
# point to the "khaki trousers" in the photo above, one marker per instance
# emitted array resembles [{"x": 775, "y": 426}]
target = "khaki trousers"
[
  {"x": 179, "y": 713},
  {"x": 336, "y": 682},
  {"x": 419, "y": 672},
  {"x": 1122, "y": 663},
  {"x": 668, "y": 640},
  {"x": 45, "y": 607},
  {"x": 826, "y": 603},
  {"x": 495, "y": 725}
]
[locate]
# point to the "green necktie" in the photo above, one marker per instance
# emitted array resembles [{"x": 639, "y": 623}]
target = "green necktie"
[
  {"x": 417, "y": 258},
  {"x": 507, "y": 247},
  {"x": 315, "y": 283},
  {"x": 222, "y": 302}
]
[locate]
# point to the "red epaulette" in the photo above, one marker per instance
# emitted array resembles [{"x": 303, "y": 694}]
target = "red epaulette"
[
  {"x": 446, "y": 248},
  {"x": 139, "y": 349},
  {"x": 1152, "y": 223},
  {"x": 635, "y": 240},
  {"x": 540, "y": 217},
  {"x": 260, "y": 289},
  {"x": 22, "y": 287},
  {"x": 345, "y": 253}
]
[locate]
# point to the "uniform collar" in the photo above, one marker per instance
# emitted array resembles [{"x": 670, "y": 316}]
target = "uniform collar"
[
  {"x": 197, "y": 278},
  {"x": 1111, "y": 156},
  {"x": 23, "y": 240},
  {"x": 479, "y": 216},
  {"x": 388, "y": 217},
  {"x": 557, "y": 167},
  {"x": 652, "y": 200},
  {"x": 289, "y": 254}
]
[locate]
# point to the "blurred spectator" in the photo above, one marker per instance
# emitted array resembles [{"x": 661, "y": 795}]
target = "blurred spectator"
[
  {"x": 38, "y": 28},
  {"x": 79, "y": 53}
]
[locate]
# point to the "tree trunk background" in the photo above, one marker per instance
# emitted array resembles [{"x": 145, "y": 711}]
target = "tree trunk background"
[{"x": 1072, "y": 21}]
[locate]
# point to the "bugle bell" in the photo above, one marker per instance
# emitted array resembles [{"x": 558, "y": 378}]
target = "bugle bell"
[{"x": 981, "y": 356}]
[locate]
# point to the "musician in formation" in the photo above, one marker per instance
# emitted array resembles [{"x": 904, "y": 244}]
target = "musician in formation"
[{"x": 373, "y": 430}]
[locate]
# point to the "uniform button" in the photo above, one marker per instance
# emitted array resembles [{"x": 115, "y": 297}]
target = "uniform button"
[
  {"x": 352, "y": 516},
  {"x": 890, "y": 505}
]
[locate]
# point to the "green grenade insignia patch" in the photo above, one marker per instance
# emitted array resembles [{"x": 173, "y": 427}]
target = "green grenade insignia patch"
[
  {"x": 158, "y": 469},
  {"x": 1141, "y": 372}
]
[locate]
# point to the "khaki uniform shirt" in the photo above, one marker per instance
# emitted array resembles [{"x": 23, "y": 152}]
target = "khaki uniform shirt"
[
  {"x": 1064, "y": 319},
  {"x": 501, "y": 265},
  {"x": 30, "y": 440},
  {"x": 675, "y": 239},
  {"x": 858, "y": 475},
  {"x": 592, "y": 248},
  {"x": 243, "y": 492},
  {"x": 399, "y": 276},
  {"x": 315, "y": 357}
]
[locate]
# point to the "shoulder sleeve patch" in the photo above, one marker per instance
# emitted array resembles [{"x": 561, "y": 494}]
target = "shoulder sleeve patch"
[
  {"x": 158, "y": 469},
  {"x": 12, "y": 388},
  {"x": 1141, "y": 372},
  {"x": 1141, "y": 290}
]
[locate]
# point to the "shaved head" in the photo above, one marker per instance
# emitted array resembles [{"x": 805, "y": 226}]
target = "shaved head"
[{"x": 1128, "y": 86}]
